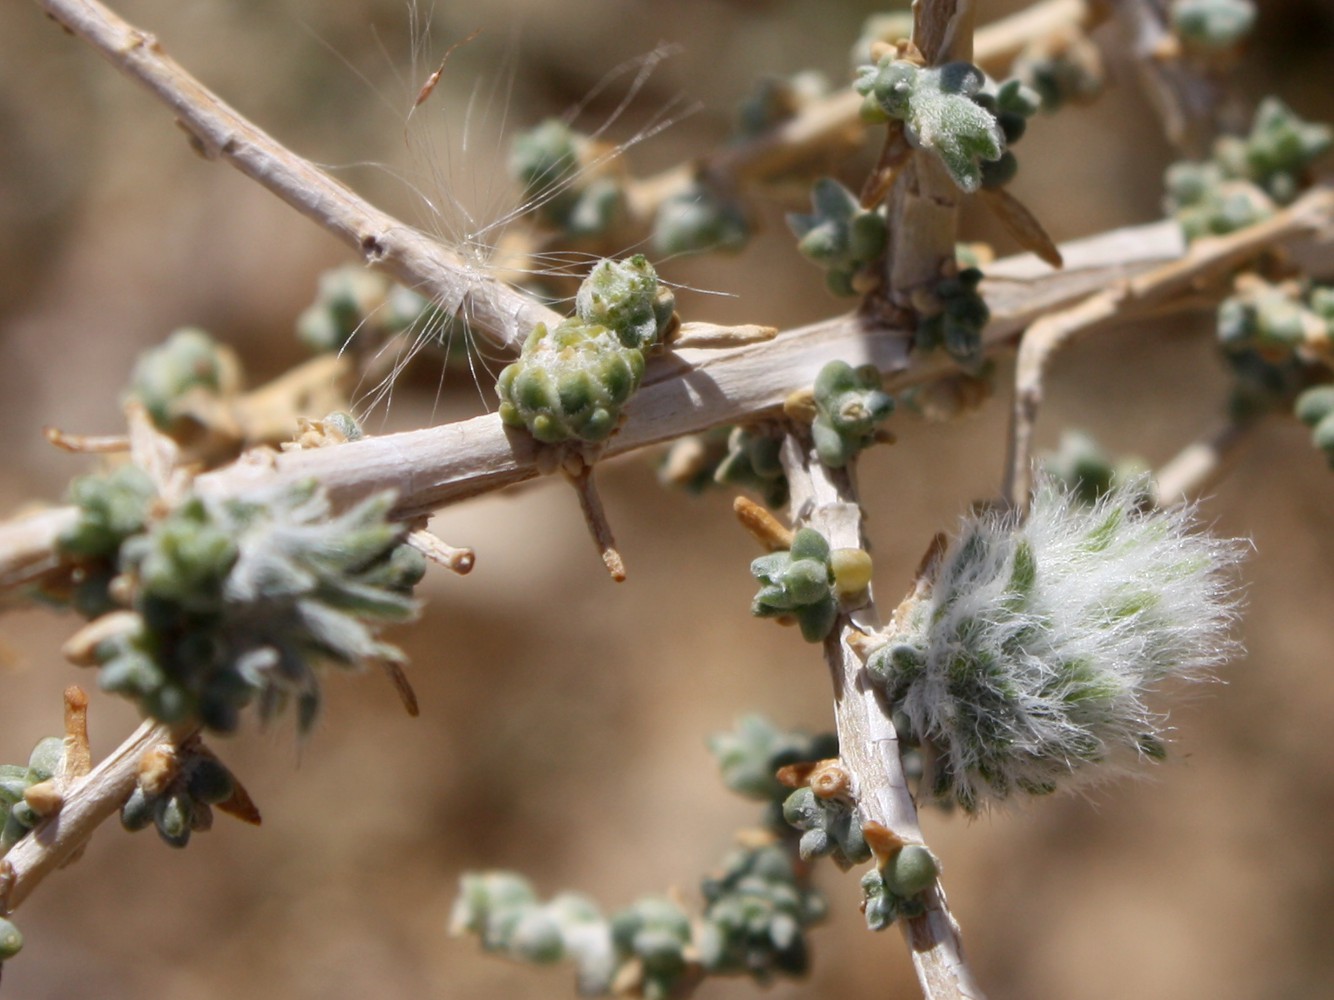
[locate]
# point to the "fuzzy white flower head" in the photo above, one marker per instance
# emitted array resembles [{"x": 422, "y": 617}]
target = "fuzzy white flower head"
[{"x": 1026, "y": 666}]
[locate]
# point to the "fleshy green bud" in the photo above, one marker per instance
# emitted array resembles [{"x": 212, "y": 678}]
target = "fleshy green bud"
[
  {"x": 625, "y": 297},
  {"x": 570, "y": 382},
  {"x": 849, "y": 405},
  {"x": 11, "y": 941},
  {"x": 911, "y": 870}
]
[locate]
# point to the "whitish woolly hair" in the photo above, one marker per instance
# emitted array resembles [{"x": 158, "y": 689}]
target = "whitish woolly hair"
[{"x": 1027, "y": 666}]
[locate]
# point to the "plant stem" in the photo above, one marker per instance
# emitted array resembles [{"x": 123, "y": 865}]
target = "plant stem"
[
  {"x": 868, "y": 743},
  {"x": 87, "y": 802},
  {"x": 491, "y": 307}
]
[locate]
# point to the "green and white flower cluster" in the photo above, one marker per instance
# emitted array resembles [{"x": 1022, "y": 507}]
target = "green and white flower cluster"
[
  {"x": 1027, "y": 667},
  {"x": 233, "y": 601}
]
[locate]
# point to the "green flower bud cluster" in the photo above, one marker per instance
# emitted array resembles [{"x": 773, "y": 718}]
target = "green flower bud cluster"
[
  {"x": 505, "y": 914},
  {"x": 750, "y": 755},
  {"x": 352, "y": 301},
  {"x": 1315, "y": 408},
  {"x": 1012, "y": 103},
  {"x": 1026, "y": 667},
  {"x": 1274, "y": 319},
  {"x": 655, "y": 932},
  {"x": 112, "y": 508},
  {"x": 830, "y": 828},
  {"x": 755, "y": 916},
  {"x": 188, "y": 362},
  {"x": 798, "y": 585},
  {"x": 626, "y": 297},
  {"x": 839, "y": 235},
  {"x": 756, "y": 908},
  {"x": 958, "y": 326},
  {"x": 849, "y": 403},
  {"x": 1212, "y": 24},
  {"x": 1085, "y": 470},
  {"x": 938, "y": 111},
  {"x": 15, "y": 779},
  {"x": 238, "y": 599},
  {"x": 563, "y": 179},
  {"x": 751, "y": 462},
  {"x": 697, "y": 219},
  {"x": 1246, "y": 178},
  {"x": 571, "y": 382},
  {"x": 776, "y": 99},
  {"x": 742, "y": 456},
  {"x": 11, "y": 941},
  {"x": 185, "y": 804},
  {"x": 893, "y": 889},
  {"x": 1264, "y": 330},
  {"x": 1062, "y": 68}
]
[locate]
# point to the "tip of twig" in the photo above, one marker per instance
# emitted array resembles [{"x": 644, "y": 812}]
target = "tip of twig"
[
  {"x": 86, "y": 444},
  {"x": 456, "y": 560},
  {"x": 596, "y": 519}
]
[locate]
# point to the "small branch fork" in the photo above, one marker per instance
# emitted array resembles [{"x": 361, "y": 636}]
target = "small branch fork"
[
  {"x": 86, "y": 801},
  {"x": 1206, "y": 261},
  {"x": 826, "y": 500}
]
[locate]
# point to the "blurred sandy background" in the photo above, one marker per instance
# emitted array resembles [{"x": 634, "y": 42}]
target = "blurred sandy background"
[{"x": 564, "y": 719}]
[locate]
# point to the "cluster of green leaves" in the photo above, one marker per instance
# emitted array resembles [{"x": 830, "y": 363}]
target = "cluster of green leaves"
[
  {"x": 1061, "y": 69},
  {"x": 756, "y": 907},
  {"x": 1315, "y": 408},
  {"x": 111, "y": 508},
  {"x": 571, "y": 382},
  {"x": 744, "y": 456},
  {"x": 958, "y": 324},
  {"x": 188, "y": 362},
  {"x": 561, "y": 174},
  {"x": 939, "y": 113},
  {"x": 183, "y": 804},
  {"x": 850, "y": 404},
  {"x": 15, "y": 779},
  {"x": 237, "y": 600},
  {"x": 829, "y": 828},
  {"x": 351, "y": 301},
  {"x": 572, "y": 185},
  {"x": 750, "y": 756},
  {"x": 839, "y": 235},
  {"x": 1275, "y": 339},
  {"x": 1247, "y": 179},
  {"x": 1012, "y": 103},
  {"x": 798, "y": 585}
]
